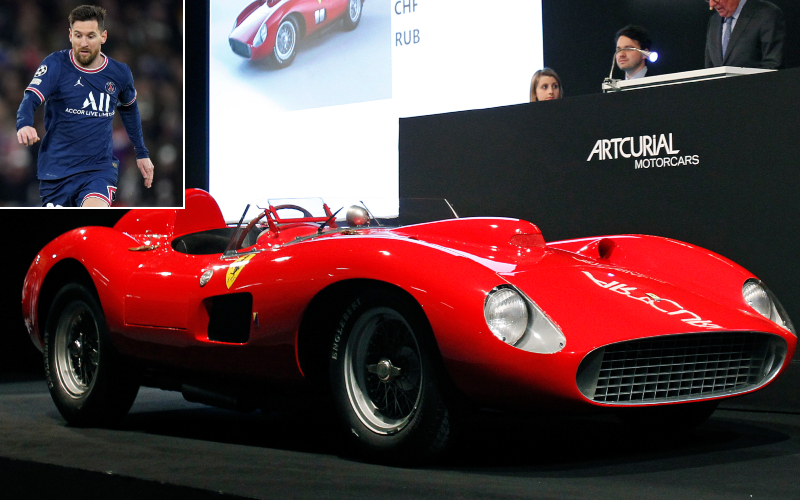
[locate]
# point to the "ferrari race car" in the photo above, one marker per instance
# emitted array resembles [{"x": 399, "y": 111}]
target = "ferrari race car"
[
  {"x": 272, "y": 28},
  {"x": 401, "y": 327}
]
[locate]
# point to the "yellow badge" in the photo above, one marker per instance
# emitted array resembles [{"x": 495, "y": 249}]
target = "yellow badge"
[{"x": 235, "y": 268}]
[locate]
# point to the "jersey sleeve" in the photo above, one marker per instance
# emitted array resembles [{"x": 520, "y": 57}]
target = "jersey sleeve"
[
  {"x": 129, "y": 113},
  {"x": 127, "y": 95},
  {"x": 45, "y": 79},
  {"x": 38, "y": 90}
]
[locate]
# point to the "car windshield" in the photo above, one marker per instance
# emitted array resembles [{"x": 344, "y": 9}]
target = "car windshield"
[
  {"x": 390, "y": 212},
  {"x": 336, "y": 214}
]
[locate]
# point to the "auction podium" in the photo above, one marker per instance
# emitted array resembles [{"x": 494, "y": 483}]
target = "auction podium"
[{"x": 675, "y": 78}]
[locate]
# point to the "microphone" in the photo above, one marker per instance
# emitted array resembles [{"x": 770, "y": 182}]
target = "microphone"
[{"x": 651, "y": 56}]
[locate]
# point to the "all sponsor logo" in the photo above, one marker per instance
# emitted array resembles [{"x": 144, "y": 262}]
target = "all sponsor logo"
[
  {"x": 647, "y": 151},
  {"x": 103, "y": 99}
]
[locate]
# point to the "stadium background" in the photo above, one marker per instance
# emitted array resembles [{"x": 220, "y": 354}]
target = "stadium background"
[{"x": 147, "y": 35}]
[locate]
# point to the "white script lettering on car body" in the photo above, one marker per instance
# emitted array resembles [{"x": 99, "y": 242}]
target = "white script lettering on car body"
[{"x": 662, "y": 305}]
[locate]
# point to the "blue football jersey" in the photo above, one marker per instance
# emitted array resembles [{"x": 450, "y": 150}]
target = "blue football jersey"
[{"x": 80, "y": 105}]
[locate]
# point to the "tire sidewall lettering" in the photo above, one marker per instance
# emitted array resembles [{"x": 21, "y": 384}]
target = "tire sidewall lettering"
[{"x": 337, "y": 338}]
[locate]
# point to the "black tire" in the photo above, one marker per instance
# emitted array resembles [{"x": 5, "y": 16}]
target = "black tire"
[
  {"x": 90, "y": 383},
  {"x": 286, "y": 40},
  {"x": 386, "y": 379},
  {"x": 668, "y": 419},
  {"x": 353, "y": 14}
]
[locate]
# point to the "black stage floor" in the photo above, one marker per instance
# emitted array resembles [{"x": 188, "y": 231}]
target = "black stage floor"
[{"x": 169, "y": 448}]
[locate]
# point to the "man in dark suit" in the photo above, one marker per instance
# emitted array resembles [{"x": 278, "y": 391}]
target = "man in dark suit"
[{"x": 745, "y": 33}]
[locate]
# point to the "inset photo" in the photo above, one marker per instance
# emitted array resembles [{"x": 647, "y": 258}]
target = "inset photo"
[
  {"x": 301, "y": 54},
  {"x": 91, "y": 104}
]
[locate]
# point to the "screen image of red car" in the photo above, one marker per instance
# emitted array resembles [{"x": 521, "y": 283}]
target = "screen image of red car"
[
  {"x": 272, "y": 28},
  {"x": 403, "y": 327}
]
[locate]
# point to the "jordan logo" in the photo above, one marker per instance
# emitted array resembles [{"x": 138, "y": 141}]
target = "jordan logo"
[{"x": 78, "y": 82}]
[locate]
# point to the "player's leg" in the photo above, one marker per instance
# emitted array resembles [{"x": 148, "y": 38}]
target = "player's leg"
[{"x": 94, "y": 202}]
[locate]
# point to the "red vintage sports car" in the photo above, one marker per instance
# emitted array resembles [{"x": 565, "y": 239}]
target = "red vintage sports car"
[
  {"x": 272, "y": 28},
  {"x": 401, "y": 328}
]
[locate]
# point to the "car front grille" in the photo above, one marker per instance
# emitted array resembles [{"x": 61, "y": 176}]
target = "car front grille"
[
  {"x": 240, "y": 48},
  {"x": 680, "y": 367}
]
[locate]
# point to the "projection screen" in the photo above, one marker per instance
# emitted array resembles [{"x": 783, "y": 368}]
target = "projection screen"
[{"x": 327, "y": 123}]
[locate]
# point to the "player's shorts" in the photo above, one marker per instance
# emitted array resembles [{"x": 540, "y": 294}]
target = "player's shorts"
[{"x": 72, "y": 191}]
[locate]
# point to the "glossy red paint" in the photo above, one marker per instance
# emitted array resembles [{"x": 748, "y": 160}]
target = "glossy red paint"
[
  {"x": 598, "y": 291},
  {"x": 273, "y": 12}
]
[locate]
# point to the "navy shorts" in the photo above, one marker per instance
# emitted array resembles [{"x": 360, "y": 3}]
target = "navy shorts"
[{"x": 72, "y": 191}]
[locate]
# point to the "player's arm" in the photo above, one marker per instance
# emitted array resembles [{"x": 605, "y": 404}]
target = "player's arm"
[
  {"x": 26, "y": 134},
  {"x": 129, "y": 113}
]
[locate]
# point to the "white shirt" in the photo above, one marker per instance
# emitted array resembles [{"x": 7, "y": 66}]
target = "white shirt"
[{"x": 639, "y": 74}]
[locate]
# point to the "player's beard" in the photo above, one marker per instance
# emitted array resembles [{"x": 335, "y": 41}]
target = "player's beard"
[{"x": 88, "y": 59}]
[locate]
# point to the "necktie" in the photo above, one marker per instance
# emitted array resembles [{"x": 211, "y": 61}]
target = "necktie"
[{"x": 726, "y": 34}]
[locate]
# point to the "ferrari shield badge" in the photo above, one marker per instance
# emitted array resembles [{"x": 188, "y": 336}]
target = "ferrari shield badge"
[{"x": 235, "y": 268}]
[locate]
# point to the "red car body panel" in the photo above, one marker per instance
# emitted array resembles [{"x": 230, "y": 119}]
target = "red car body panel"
[
  {"x": 595, "y": 290},
  {"x": 273, "y": 12}
]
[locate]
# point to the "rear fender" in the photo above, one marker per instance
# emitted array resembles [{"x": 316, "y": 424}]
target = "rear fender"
[{"x": 90, "y": 255}]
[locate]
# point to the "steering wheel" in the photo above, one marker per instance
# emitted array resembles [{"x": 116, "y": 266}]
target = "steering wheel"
[
  {"x": 248, "y": 228},
  {"x": 253, "y": 222},
  {"x": 305, "y": 212}
]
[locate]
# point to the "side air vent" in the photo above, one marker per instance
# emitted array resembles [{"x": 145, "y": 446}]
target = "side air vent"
[{"x": 229, "y": 318}]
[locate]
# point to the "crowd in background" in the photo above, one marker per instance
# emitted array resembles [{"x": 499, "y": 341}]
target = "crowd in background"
[{"x": 147, "y": 35}]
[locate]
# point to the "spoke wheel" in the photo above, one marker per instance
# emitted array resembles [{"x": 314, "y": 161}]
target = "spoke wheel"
[
  {"x": 353, "y": 16},
  {"x": 90, "y": 383},
  {"x": 387, "y": 379},
  {"x": 285, "y": 43},
  {"x": 76, "y": 349},
  {"x": 383, "y": 372}
]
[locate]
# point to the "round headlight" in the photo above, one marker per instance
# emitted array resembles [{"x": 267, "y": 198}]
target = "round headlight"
[
  {"x": 760, "y": 298},
  {"x": 757, "y": 297},
  {"x": 261, "y": 35},
  {"x": 506, "y": 314}
]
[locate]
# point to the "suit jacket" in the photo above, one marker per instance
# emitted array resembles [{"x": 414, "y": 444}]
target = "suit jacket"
[{"x": 756, "y": 40}]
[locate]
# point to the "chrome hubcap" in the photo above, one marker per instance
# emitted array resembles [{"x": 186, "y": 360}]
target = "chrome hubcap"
[{"x": 384, "y": 370}]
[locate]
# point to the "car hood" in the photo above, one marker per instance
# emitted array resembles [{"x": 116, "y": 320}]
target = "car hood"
[
  {"x": 604, "y": 303},
  {"x": 246, "y": 30},
  {"x": 672, "y": 288}
]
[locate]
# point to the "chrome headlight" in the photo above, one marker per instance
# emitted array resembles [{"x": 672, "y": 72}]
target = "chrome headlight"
[
  {"x": 760, "y": 298},
  {"x": 506, "y": 315},
  {"x": 261, "y": 35},
  {"x": 518, "y": 321}
]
